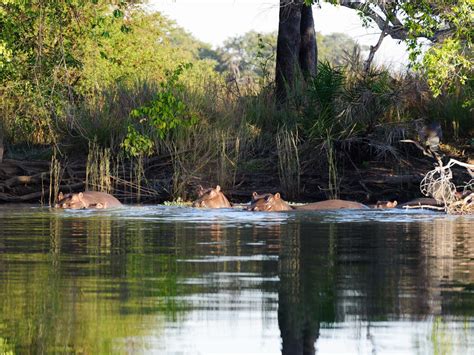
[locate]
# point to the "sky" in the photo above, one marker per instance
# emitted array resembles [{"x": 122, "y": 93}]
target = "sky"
[{"x": 213, "y": 21}]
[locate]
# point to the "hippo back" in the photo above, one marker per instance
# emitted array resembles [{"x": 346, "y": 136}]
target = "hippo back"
[
  {"x": 331, "y": 205},
  {"x": 88, "y": 199}
]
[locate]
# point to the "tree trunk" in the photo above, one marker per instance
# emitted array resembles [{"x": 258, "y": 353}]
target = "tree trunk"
[
  {"x": 296, "y": 46},
  {"x": 308, "y": 49},
  {"x": 288, "y": 46}
]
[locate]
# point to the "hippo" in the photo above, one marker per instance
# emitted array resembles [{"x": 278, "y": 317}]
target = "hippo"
[
  {"x": 211, "y": 198},
  {"x": 271, "y": 203},
  {"x": 87, "y": 199},
  {"x": 385, "y": 204}
]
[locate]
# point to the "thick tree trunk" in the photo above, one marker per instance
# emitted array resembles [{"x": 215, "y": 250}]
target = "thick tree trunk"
[
  {"x": 308, "y": 49},
  {"x": 288, "y": 46},
  {"x": 296, "y": 46}
]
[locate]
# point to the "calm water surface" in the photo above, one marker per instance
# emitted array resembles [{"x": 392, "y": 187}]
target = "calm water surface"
[{"x": 172, "y": 280}]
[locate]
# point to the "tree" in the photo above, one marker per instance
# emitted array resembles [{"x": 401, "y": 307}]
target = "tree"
[
  {"x": 255, "y": 53},
  {"x": 60, "y": 61},
  {"x": 296, "y": 45},
  {"x": 41, "y": 44},
  {"x": 251, "y": 56},
  {"x": 445, "y": 24}
]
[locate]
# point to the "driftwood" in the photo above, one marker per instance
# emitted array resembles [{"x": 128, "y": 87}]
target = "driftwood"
[
  {"x": 393, "y": 180},
  {"x": 25, "y": 180},
  {"x": 425, "y": 207},
  {"x": 35, "y": 196}
]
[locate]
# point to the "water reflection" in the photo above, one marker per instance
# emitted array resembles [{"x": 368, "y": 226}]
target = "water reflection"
[{"x": 179, "y": 280}]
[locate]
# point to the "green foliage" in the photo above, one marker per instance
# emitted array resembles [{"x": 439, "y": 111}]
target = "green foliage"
[
  {"x": 324, "y": 92},
  {"x": 441, "y": 62},
  {"x": 40, "y": 61},
  {"x": 342, "y": 102},
  {"x": 137, "y": 144},
  {"x": 449, "y": 61},
  {"x": 152, "y": 46},
  {"x": 59, "y": 60},
  {"x": 164, "y": 114}
]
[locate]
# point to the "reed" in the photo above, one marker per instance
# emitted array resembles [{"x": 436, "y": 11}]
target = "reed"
[
  {"x": 55, "y": 174},
  {"x": 333, "y": 179},
  {"x": 289, "y": 168},
  {"x": 98, "y": 170}
]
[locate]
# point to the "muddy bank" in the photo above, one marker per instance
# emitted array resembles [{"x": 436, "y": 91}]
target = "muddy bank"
[{"x": 33, "y": 181}]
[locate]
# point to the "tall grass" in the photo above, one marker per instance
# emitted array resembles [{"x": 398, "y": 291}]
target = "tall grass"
[
  {"x": 289, "y": 168},
  {"x": 455, "y": 113},
  {"x": 98, "y": 169},
  {"x": 333, "y": 176},
  {"x": 55, "y": 176}
]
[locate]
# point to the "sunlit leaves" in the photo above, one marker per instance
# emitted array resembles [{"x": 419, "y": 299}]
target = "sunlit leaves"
[
  {"x": 444, "y": 64},
  {"x": 160, "y": 117}
]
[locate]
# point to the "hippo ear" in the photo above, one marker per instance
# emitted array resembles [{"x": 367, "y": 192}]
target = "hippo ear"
[
  {"x": 99, "y": 205},
  {"x": 200, "y": 190},
  {"x": 80, "y": 195},
  {"x": 277, "y": 196},
  {"x": 394, "y": 204},
  {"x": 218, "y": 188},
  {"x": 254, "y": 195},
  {"x": 60, "y": 196}
]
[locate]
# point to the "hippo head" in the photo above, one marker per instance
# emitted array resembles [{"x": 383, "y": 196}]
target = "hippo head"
[
  {"x": 211, "y": 198},
  {"x": 72, "y": 200},
  {"x": 386, "y": 204},
  {"x": 268, "y": 202}
]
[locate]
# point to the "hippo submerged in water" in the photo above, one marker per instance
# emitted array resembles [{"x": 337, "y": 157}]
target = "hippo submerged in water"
[
  {"x": 211, "y": 198},
  {"x": 385, "y": 204},
  {"x": 274, "y": 203},
  {"x": 88, "y": 199},
  {"x": 214, "y": 198}
]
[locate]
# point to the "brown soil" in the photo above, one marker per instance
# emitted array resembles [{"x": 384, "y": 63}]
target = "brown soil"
[{"x": 29, "y": 181}]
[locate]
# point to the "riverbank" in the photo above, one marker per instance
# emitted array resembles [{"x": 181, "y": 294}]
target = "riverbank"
[{"x": 157, "y": 179}]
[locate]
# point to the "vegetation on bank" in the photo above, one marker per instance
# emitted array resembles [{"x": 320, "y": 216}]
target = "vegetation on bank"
[{"x": 169, "y": 111}]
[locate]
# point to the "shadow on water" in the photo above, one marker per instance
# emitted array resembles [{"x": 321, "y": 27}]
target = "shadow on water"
[{"x": 182, "y": 280}]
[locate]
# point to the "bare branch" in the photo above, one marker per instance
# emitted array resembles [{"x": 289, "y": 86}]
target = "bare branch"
[{"x": 373, "y": 49}]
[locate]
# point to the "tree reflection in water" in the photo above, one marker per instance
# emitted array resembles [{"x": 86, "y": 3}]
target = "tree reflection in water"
[
  {"x": 306, "y": 292},
  {"x": 369, "y": 273},
  {"x": 149, "y": 278}
]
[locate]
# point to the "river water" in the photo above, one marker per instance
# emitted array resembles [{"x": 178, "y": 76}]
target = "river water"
[{"x": 174, "y": 280}]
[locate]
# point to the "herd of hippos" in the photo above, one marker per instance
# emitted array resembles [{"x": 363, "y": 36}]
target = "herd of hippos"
[{"x": 214, "y": 198}]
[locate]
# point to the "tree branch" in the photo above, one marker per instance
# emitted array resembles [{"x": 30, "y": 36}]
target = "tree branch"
[
  {"x": 373, "y": 49},
  {"x": 395, "y": 29}
]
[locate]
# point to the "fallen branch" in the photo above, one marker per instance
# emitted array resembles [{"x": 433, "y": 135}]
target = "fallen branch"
[
  {"x": 428, "y": 207},
  {"x": 26, "y": 179},
  {"x": 37, "y": 195}
]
